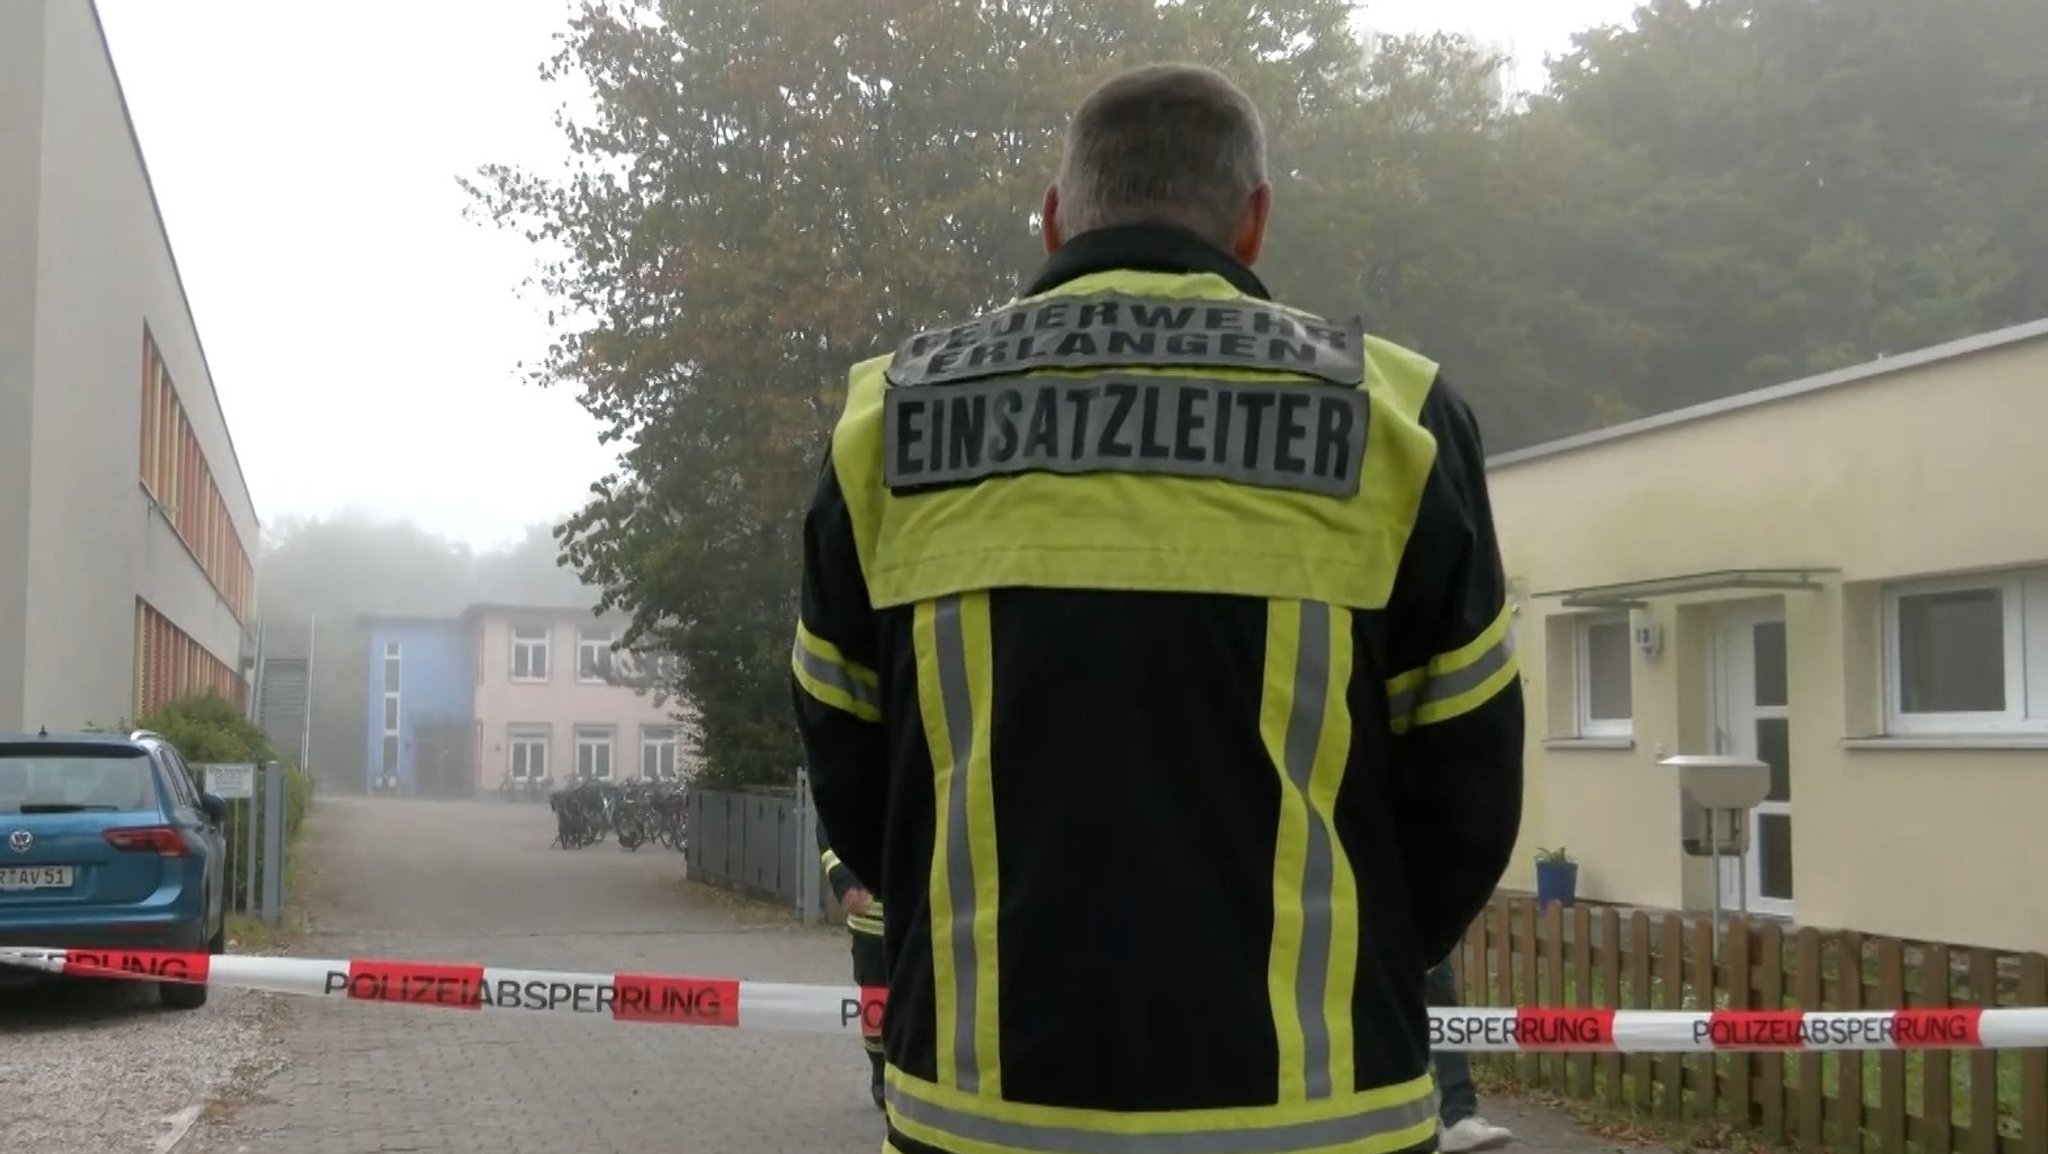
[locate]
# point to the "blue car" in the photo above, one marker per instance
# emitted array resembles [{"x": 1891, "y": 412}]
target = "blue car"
[{"x": 107, "y": 843}]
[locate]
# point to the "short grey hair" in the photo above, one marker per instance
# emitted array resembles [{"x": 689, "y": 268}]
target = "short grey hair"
[{"x": 1168, "y": 144}]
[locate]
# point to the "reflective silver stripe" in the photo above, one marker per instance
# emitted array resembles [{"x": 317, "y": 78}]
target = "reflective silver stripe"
[
  {"x": 1281, "y": 1139},
  {"x": 1304, "y": 730},
  {"x": 1110, "y": 330},
  {"x": 838, "y": 677},
  {"x": 1439, "y": 688},
  {"x": 1277, "y": 434},
  {"x": 951, "y": 657}
]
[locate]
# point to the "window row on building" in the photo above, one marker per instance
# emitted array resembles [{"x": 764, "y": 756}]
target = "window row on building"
[
  {"x": 175, "y": 472},
  {"x": 394, "y": 658},
  {"x": 597, "y": 662},
  {"x": 1964, "y": 656},
  {"x": 597, "y": 753},
  {"x": 170, "y": 665}
]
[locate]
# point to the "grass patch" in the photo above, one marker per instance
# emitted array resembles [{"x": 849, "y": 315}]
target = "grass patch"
[{"x": 246, "y": 932}]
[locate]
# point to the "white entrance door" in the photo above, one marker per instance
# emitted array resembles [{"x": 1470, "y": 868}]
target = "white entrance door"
[{"x": 1753, "y": 720}]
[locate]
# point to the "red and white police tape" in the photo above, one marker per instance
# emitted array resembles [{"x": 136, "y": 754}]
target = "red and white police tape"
[{"x": 744, "y": 1005}]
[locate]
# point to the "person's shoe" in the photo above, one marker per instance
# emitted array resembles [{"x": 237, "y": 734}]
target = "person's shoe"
[
  {"x": 1472, "y": 1134},
  {"x": 876, "y": 1088}
]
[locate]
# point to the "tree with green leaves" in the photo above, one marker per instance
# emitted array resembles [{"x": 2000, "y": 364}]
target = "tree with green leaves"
[
  {"x": 1722, "y": 195},
  {"x": 771, "y": 192},
  {"x": 1752, "y": 191}
]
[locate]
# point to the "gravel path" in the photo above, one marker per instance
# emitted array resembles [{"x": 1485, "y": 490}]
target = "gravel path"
[{"x": 91, "y": 1066}]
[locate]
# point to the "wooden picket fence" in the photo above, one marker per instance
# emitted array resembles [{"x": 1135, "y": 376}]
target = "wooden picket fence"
[{"x": 1982, "y": 1102}]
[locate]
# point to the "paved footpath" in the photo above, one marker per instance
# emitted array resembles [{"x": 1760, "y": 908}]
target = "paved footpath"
[{"x": 475, "y": 882}]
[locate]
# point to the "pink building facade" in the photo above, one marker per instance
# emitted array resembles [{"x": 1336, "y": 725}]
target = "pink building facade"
[{"x": 553, "y": 700}]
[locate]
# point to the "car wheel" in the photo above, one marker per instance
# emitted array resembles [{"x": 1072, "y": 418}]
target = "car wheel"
[
  {"x": 192, "y": 995},
  {"x": 181, "y": 995}
]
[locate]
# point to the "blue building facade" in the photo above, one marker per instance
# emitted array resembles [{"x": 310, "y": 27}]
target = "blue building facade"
[{"x": 420, "y": 724}]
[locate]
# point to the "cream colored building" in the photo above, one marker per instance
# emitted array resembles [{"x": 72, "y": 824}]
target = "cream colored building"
[
  {"x": 1845, "y": 576},
  {"x": 126, "y": 527}
]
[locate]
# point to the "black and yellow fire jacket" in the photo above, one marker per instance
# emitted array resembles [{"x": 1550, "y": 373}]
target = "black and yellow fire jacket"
[{"x": 1155, "y": 662}]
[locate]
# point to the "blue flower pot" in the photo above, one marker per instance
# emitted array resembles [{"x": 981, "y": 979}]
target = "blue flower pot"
[{"x": 1556, "y": 881}]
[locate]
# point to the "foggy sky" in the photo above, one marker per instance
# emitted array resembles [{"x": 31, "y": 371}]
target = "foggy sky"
[{"x": 363, "y": 337}]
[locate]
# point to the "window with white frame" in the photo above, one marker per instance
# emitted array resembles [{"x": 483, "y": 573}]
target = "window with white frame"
[
  {"x": 642, "y": 668},
  {"x": 593, "y": 654},
  {"x": 394, "y": 659},
  {"x": 529, "y": 653},
  {"x": 658, "y": 751},
  {"x": 1967, "y": 656},
  {"x": 1606, "y": 698},
  {"x": 594, "y": 751},
  {"x": 527, "y": 750}
]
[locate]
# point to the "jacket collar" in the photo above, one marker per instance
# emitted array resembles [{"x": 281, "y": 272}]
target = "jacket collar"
[{"x": 1143, "y": 248}]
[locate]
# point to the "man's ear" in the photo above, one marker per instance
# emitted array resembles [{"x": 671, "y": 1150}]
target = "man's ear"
[
  {"x": 1049, "y": 218},
  {"x": 1251, "y": 230}
]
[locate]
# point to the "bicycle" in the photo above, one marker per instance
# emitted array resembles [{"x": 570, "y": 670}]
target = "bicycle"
[{"x": 583, "y": 812}]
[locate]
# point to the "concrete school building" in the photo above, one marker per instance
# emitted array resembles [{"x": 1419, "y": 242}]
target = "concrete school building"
[
  {"x": 1845, "y": 577},
  {"x": 126, "y": 529}
]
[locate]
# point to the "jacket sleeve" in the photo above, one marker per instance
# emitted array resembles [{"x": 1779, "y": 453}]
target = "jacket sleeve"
[
  {"x": 837, "y": 875},
  {"x": 1455, "y": 701},
  {"x": 836, "y": 688}
]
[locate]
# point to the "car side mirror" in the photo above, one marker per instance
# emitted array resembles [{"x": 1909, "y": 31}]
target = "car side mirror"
[{"x": 216, "y": 807}]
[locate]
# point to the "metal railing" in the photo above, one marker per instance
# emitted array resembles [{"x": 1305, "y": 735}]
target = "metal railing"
[{"x": 764, "y": 844}]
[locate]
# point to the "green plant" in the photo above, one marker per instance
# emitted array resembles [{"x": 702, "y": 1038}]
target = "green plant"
[
  {"x": 1558, "y": 856},
  {"x": 210, "y": 729}
]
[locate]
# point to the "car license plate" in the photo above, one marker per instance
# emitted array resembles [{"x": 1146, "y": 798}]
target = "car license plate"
[{"x": 36, "y": 877}]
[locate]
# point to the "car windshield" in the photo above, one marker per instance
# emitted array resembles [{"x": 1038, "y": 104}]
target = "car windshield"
[{"x": 114, "y": 780}]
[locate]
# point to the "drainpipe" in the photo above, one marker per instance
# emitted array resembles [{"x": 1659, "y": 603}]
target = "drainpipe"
[
  {"x": 306, "y": 727},
  {"x": 256, "y": 690}
]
